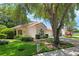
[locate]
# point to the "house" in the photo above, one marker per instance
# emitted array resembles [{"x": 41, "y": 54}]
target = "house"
[{"x": 32, "y": 29}]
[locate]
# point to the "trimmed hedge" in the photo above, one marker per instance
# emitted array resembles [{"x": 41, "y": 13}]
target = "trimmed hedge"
[
  {"x": 9, "y": 32},
  {"x": 24, "y": 38},
  {"x": 3, "y": 36},
  {"x": 27, "y": 39}
]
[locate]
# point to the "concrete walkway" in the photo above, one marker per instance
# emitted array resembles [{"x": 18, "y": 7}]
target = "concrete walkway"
[{"x": 73, "y": 51}]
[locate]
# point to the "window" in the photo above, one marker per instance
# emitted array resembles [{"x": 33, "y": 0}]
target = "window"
[{"x": 20, "y": 32}]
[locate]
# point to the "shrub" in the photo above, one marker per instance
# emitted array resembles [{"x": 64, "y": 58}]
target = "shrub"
[
  {"x": 2, "y": 27},
  {"x": 9, "y": 32},
  {"x": 27, "y": 39},
  {"x": 46, "y": 36},
  {"x": 2, "y": 42},
  {"x": 3, "y": 36},
  {"x": 24, "y": 38},
  {"x": 18, "y": 36}
]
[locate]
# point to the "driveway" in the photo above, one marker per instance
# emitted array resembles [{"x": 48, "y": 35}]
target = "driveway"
[
  {"x": 70, "y": 40},
  {"x": 73, "y": 51}
]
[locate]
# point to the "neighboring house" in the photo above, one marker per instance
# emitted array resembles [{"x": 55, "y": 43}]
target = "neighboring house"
[
  {"x": 32, "y": 29},
  {"x": 63, "y": 30}
]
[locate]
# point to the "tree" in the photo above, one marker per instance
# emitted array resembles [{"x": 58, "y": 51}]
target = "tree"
[
  {"x": 57, "y": 14},
  {"x": 20, "y": 14},
  {"x": 13, "y": 14}
]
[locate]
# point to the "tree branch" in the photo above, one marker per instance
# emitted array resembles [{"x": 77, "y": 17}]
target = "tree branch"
[
  {"x": 56, "y": 8},
  {"x": 62, "y": 18}
]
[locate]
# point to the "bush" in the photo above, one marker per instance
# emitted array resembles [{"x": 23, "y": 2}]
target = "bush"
[
  {"x": 24, "y": 38},
  {"x": 27, "y": 39},
  {"x": 18, "y": 36},
  {"x": 3, "y": 36},
  {"x": 2, "y": 42},
  {"x": 2, "y": 27},
  {"x": 9, "y": 32},
  {"x": 46, "y": 36}
]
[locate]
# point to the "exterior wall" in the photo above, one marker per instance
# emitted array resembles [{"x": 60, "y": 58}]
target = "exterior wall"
[
  {"x": 32, "y": 31},
  {"x": 49, "y": 32},
  {"x": 25, "y": 31},
  {"x": 40, "y": 26}
]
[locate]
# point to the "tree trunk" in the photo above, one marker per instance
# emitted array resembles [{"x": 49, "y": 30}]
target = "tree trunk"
[{"x": 56, "y": 35}]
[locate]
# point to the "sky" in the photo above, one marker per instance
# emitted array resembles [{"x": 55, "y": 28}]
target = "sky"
[
  {"x": 48, "y": 24},
  {"x": 77, "y": 18}
]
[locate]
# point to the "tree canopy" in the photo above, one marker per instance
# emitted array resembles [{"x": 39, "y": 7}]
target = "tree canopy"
[{"x": 12, "y": 15}]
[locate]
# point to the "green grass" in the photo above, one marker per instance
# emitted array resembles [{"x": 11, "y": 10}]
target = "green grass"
[
  {"x": 12, "y": 49},
  {"x": 19, "y": 48},
  {"x": 76, "y": 34}
]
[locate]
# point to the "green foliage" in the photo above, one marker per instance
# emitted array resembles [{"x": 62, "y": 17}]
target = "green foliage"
[
  {"x": 20, "y": 48},
  {"x": 3, "y": 36},
  {"x": 9, "y": 32},
  {"x": 12, "y": 15},
  {"x": 18, "y": 36},
  {"x": 2, "y": 27},
  {"x": 12, "y": 49},
  {"x": 76, "y": 31},
  {"x": 46, "y": 36},
  {"x": 24, "y": 38}
]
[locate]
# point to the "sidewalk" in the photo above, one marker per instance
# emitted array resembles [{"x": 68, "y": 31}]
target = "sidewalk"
[{"x": 74, "y": 51}]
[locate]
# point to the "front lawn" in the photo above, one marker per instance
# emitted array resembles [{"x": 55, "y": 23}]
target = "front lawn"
[
  {"x": 19, "y": 48},
  {"x": 75, "y": 34}
]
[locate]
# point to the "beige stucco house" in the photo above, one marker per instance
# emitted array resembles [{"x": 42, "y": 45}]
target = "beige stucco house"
[{"x": 32, "y": 29}]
